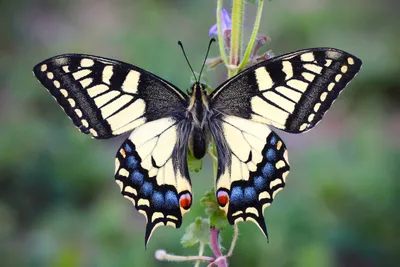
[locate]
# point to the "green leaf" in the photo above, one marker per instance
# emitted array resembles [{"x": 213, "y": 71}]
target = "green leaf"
[
  {"x": 194, "y": 164},
  {"x": 197, "y": 232},
  {"x": 216, "y": 215},
  {"x": 218, "y": 220}
]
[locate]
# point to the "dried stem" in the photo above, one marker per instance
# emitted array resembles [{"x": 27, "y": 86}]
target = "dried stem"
[{"x": 162, "y": 255}]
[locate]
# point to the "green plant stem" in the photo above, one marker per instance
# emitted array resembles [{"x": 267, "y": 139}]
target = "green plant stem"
[
  {"x": 201, "y": 251},
  {"x": 234, "y": 66},
  {"x": 236, "y": 35},
  {"x": 220, "y": 33},
  {"x": 253, "y": 36},
  {"x": 234, "y": 240}
]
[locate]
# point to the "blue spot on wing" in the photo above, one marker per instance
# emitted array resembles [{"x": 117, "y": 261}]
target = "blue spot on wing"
[
  {"x": 250, "y": 194},
  {"x": 260, "y": 183},
  {"x": 171, "y": 200},
  {"x": 271, "y": 154},
  {"x": 268, "y": 170},
  {"x": 131, "y": 162},
  {"x": 236, "y": 196},
  {"x": 273, "y": 140},
  {"x": 137, "y": 178},
  {"x": 128, "y": 148},
  {"x": 157, "y": 199},
  {"x": 147, "y": 189}
]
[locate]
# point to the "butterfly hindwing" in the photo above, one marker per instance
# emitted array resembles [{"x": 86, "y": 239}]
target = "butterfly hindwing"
[
  {"x": 107, "y": 97},
  {"x": 252, "y": 168},
  {"x": 291, "y": 92},
  {"x": 151, "y": 170}
]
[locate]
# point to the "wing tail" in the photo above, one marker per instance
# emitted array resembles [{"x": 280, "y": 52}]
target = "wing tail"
[
  {"x": 148, "y": 174},
  {"x": 253, "y": 171}
]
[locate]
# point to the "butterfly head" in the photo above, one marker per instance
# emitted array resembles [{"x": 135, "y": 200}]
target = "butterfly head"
[{"x": 197, "y": 89}]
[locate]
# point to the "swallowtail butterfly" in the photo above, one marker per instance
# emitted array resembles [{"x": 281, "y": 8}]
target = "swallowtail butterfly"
[{"x": 106, "y": 98}]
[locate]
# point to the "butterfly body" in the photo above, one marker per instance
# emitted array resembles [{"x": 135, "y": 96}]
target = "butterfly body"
[
  {"x": 106, "y": 98},
  {"x": 199, "y": 111}
]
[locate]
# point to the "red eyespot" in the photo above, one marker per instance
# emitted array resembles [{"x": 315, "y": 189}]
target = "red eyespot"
[
  {"x": 222, "y": 198},
  {"x": 185, "y": 201}
]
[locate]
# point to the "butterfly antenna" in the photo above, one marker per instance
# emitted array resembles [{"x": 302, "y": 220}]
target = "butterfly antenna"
[
  {"x": 205, "y": 59},
  {"x": 183, "y": 50}
]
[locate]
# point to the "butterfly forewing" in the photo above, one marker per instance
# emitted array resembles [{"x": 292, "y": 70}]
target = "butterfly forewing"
[
  {"x": 107, "y": 97},
  {"x": 291, "y": 92}
]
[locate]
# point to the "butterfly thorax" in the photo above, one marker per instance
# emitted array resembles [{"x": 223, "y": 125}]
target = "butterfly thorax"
[{"x": 198, "y": 110}]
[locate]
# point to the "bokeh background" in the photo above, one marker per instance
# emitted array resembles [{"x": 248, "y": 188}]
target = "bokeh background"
[{"x": 59, "y": 205}]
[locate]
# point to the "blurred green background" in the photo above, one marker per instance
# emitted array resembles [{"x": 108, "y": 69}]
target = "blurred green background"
[{"x": 59, "y": 205}]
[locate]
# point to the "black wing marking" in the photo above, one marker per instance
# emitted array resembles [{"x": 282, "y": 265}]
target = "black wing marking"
[
  {"x": 151, "y": 170},
  {"x": 107, "y": 97},
  {"x": 252, "y": 168},
  {"x": 291, "y": 92}
]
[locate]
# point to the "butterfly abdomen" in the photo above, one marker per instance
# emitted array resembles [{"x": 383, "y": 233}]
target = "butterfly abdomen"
[
  {"x": 198, "y": 142},
  {"x": 198, "y": 109}
]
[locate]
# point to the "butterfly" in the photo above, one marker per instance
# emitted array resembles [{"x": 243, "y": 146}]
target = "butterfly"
[{"x": 106, "y": 98}]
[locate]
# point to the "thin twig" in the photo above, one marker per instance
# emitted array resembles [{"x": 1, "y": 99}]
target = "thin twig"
[
  {"x": 162, "y": 255},
  {"x": 221, "y": 262},
  {"x": 234, "y": 239},
  {"x": 201, "y": 251}
]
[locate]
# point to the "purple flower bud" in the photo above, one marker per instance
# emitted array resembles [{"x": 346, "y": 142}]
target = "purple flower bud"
[{"x": 226, "y": 23}]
